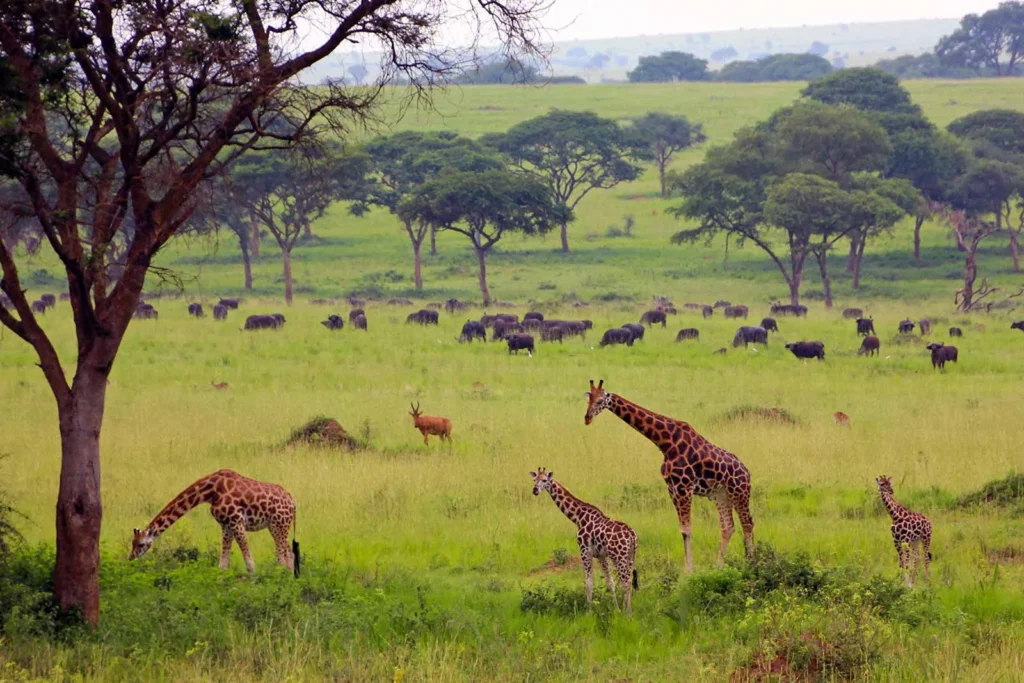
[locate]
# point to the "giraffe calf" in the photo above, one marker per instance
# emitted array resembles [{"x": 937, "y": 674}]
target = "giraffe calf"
[
  {"x": 909, "y": 530},
  {"x": 598, "y": 536}
]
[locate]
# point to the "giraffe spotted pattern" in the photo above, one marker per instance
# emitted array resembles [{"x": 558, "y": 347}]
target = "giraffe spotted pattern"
[
  {"x": 910, "y": 530},
  {"x": 692, "y": 466}
]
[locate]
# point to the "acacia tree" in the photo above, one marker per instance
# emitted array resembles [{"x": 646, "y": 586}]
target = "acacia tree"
[
  {"x": 573, "y": 152},
  {"x": 484, "y": 207},
  {"x": 138, "y": 103},
  {"x": 984, "y": 41},
  {"x": 664, "y": 135}
]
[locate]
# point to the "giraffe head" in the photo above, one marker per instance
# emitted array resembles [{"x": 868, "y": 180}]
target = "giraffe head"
[
  {"x": 884, "y": 484},
  {"x": 142, "y": 541},
  {"x": 599, "y": 399},
  {"x": 541, "y": 480}
]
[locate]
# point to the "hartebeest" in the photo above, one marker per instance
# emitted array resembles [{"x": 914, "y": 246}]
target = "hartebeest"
[{"x": 438, "y": 426}]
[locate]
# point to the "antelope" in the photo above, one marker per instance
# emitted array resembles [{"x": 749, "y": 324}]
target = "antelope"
[
  {"x": 841, "y": 419},
  {"x": 438, "y": 426},
  {"x": 219, "y": 385}
]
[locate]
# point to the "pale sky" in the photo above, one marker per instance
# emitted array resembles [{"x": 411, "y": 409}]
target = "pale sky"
[{"x": 587, "y": 19}]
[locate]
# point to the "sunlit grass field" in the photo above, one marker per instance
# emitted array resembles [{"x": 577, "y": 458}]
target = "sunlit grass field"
[{"x": 422, "y": 561}]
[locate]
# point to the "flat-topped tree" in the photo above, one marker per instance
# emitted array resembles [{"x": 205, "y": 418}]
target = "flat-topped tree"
[
  {"x": 484, "y": 207},
  {"x": 137, "y": 103}
]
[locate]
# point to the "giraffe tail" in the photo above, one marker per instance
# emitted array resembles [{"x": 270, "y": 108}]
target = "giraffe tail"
[
  {"x": 295, "y": 545},
  {"x": 636, "y": 580}
]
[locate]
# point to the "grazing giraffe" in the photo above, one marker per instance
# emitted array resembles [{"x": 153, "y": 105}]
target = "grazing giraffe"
[
  {"x": 908, "y": 530},
  {"x": 598, "y": 535},
  {"x": 239, "y": 505},
  {"x": 692, "y": 466}
]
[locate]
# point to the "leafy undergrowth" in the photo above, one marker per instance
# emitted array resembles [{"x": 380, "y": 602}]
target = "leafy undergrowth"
[{"x": 1007, "y": 492}]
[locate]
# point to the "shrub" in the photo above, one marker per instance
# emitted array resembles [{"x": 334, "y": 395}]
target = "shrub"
[
  {"x": 1005, "y": 492},
  {"x": 545, "y": 599}
]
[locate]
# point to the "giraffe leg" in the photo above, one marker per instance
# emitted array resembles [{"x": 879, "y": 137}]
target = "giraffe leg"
[
  {"x": 281, "y": 545},
  {"x": 624, "y": 570},
  {"x": 912, "y": 549},
  {"x": 683, "y": 500},
  {"x": 227, "y": 538},
  {"x": 742, "y": 505},
  {"x": 238, "y": 528},
  {"x": 904, "y": 556},
  {"x": 926, "y": 551},
  {"x": 588, "y": 570},
  {"x": 725, "y": 522},
  {"x": 608, "y": 580}
]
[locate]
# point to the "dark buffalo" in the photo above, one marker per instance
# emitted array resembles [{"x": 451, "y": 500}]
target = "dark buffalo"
[
  {"x": 722, "y": 303},
  {"x": 356, "y": 302},
  {"x": 38, "y": 307},
  {"x": 587, "y": 324},
  {"x": 942, "y": 353},
  {"x": 333, "y": 322},
  {"x": 355, "y": 313},
  {"x": 533, "y": 315},
  {"x": 196, "y": 311},
  {"x": 144, "y": 311},
  {"x": 956, "y": 332},
  {"x": 770, "y": 324},
  {"x": 1019, "y": 325},
  {"x": 360, "y": 322},
  {"x": 576, "y": 328},
  {"x": 554, "y": 333},
  {"x": 870, "y": 346},
  {"x": 688, "y": 333},
  {"x": 504, "y": 328},
  {"x": 64, "y": 296},
  {"x": 520, "y": 342},
  {"x": 488, "y": 320},
  {"x": 654, "y": 317},
  {"x": 636, "y": 329},
  {"x": 400, "y": 302},
  {"x": 532, "y": 324},
  {"x": 261, "y": 322},
  {"x": 280, "y": 319},
  {"x": 230, "y": 303},
  {"x": 424, "y": 316},
  {"x": 807, "y": 349},
  {"x": 452, "y": 305},
  {"x": 906, "y": 326},
  {"x": 798, "y": 310},
  {"x": 707, "y": 311},
  {"x": 507, "y": 317},
  {"x": 617, "y": 335},
  {"x": 925, "y": 325},
  {"x": 853, "y": 313},
  {"x": 220, "y": 312},
  {"x": 750, "y": 334},
  {"x": 435, "y": 304},
  {"x": 473, "y": 329},
  {"x": 693, "y": 306},
  {"x": 49, "y": 299},
  {"x": 736, "y": 312},
  {"x": 865, "y": 326}
]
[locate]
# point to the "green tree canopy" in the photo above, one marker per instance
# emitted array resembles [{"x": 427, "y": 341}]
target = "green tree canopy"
[
  {"x": 669, "y": 67},
  {"x": 993, "y": 40},
  {"x": 663, "y": 135},
  {"x": 780, "y": 67},
  {"x": 1002, "y": 129}
]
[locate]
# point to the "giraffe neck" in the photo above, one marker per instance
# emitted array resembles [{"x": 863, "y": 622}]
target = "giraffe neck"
[
  {"x": 198, "y": 493},
  {"x": 894, "y": 508},
  {"x": 571, "y": 506},
  {"x": 645, "y": 421}
]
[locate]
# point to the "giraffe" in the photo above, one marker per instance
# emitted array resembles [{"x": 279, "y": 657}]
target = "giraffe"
[
  {"x": 239, "y": 505},
  {"x": 908, "y": 530},
  {"x": 599, "y": 537},
  {"x": 692, "y": 466}
]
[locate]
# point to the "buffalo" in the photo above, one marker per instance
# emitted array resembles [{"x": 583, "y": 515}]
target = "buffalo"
[
  {"x": 49, "y": 299},
  {"x": 230, "y": 303},
  {"x": 770, "y": 324},
  {"x": 853, "y": 313},
  {"x": 144, "y": 311},
  {"x": 38, "y": 307},
  {"x": 688, "y": 333},
  {"x": 956, "y": 332},
  {"x": 473, "y": 329},
  {"x": 722, "y": 303},
  {"x": 587, "y": 324},
  {"x": 693, "y": 306},
  {"x": 507, "y": 317},
  {"x": 736, "y": 312},
  {"x": 941, "y": 354},
  {"x": 424, "y": 316},
  {"x": 789, "y": 309},
  {"x": 196, "y": 311},
  {"x": 925, "y": 325},
  {"x": 865, "y": 326},
  {"x": 807, "y": 349},
  {"x": 400, "y": 302},
  {"x": 488, "y": 320},
  {"x": 870, "y": 346},
  {"x": 355, "y": 313},
  {"x": 262, "y": 322},
  {"x": 360, "y": 322},
  {"x": 356, "y": 301},
  {"x": 452, "y": 305},
  {"x": 707, "y": 311},
  {"x": 653, "y": 317},
  {"x": 553, "y": 333},
  {"x": 577, "y": 328},
  {"x": 750, "y": 334},
  {"x": 532, "y": 324},
  {"x": 618, "y": 335},
  {"x": 64, "y": 296},
  {"x": 333, "y": 322},
  {"x": 637, "y": 330},
  {"x": 504, "y": 328},
  {"x": 321, "y": 302},
  {"x": 533, "y": 315},
  {"x": 1019, "y": 325},
  {"x": 220, "y": 312},
  {"x": 906, "y": 326},
  {"x": 280, "y": 319},
  {"x": 520, "y": 342}
]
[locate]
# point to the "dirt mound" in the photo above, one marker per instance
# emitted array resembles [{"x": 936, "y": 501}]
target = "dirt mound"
[
  {"x": 1005, "y": 492},
  {"x": 322, "y": 431},
  {"x": 776, "y": 415},
  {"x": 556, "y": 565}
]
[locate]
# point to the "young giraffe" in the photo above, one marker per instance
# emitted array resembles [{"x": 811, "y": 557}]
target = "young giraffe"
[
  {"x": 598, "y": 535},
  {"x": 239, "y": 505},
  {"x": 692, "y": 466},
  {"x": 908, "y": 530}
]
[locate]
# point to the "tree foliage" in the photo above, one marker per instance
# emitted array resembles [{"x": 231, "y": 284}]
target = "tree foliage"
[
  {"x": 669, "y": 67},
  {"x": 993, "y": 40},
  {"x": 928, "y": 65},
  {"x": 664, "y": 135},
  {"x": 780, "y": 67}
]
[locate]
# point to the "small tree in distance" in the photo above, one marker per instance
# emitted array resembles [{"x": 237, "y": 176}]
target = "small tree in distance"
[{"x": 664, "y": 135}]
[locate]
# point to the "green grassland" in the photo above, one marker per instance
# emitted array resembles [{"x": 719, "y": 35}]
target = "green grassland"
[{"x": 437, "y": 563}]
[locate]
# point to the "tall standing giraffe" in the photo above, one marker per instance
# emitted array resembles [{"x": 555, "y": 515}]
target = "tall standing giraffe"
[
  {"x": 239, "y": 505},
  {"x": 692, "y": 466},
  {"x": 909, "y": 529},
  {"x": 598, "y": 536}
]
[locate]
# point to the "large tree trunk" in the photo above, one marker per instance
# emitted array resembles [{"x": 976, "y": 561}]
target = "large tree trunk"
[
  {"x": 307, "y": 229},
  {"x": 918, "y": 222},
  {"x": 851, "y": 256},
  {"x": 247, "y": 264},
  {"x": 859, "y": 260},
  {"x": 970, "y": 275},
  {"x": 79, "y": 508},
  {"x": 433, "y": 239},
  {"x": 417, "y": 272},
  {"x": 565, "y": 237},
  {"x": 826, "y": 284},
  {"x": 286, "y": 261},
  {"x": 481, "y": 257},
  {"x": 255, "y": 242},
  {"x": 1015, "y": 251},
  {"x": 661, "y": 176}
]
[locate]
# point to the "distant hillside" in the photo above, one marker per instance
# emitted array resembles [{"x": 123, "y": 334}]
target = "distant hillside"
[{"x": 611, "y": 58}]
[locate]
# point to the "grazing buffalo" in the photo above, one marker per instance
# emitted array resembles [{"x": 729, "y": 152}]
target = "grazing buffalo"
[
  {"x": 452, "y": 305},
  {"x": 577, "y": 328},
  {"x": 424, "y": 316},
  {"x": 865, "y": 326},
  {"x": 506, "y": 317},
  {"x": 196, "y": 311},
  {"x": 750, "y": 334},
  {"x": 400, "y": 302},
  {"x": 230, "y": 303},
  {"x": 653, "y": 317},
  {"x": 554, "y": 333},
  {"x": 637, "y": 330},
  {"x": 64, "y": 296},
  {"x": 473, "y": 329},
  {"x": 144, "y": 311},
  {"x": 853, "y": 313},
  {"x": 906, "y": 326},
  {"x": 488, "y": 320},
  {"x": 587, "y": 324},
  {"x": 707, "y": 311},
  {"x": 870, "y": 346},
  {"x": 956, "y": 332},
  {"x": 355, "y": 313},
  {"x": 1019, "y": 325},
  {"x": 736, "y": 312},
  {"x": 220, "y": 312},
  {"x": 798, "y": 310},
  {"x": 356, "y": 302},
  {"x": 49, "y": 299},
  {"x": 941, "y": 354},
  {"x": 532, "y": 324},
  {"x": 520, "y": 342},
  {"x": 333, "y": 322},
  {"x": 533, "y": 315},
  {"x": 360, "y": 322},
  {"x": 722, "y": 303},
  {"x": 618, "y": 335},
  {"x": 262, "y": 322},
  {"x": 693, "y": 306},
  {"x": 504, "y": 328},
  {"x": 925, "y": 325},
  {"x": 770, "y": 324},
  {"x": 688, "y": 333},
  {"x": 280, "y": 319},
  {"x": 38, "y": 307},
  {"x": 807, "y": 349}
]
